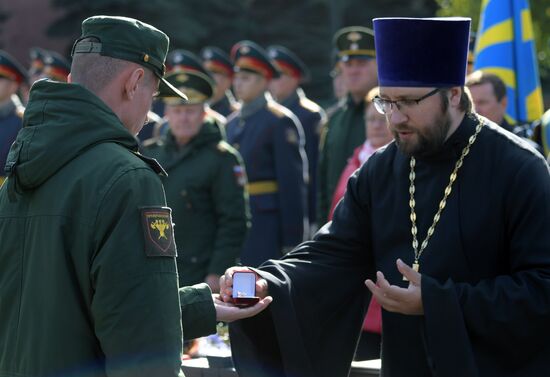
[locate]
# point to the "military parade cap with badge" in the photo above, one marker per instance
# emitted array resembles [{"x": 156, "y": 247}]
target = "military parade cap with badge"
[
  {"x": 55, "y": 66},
  {"x": 421, "y": 52},
  {"x": 127, "y": 39},
  {"x": 217, "y": 61},
  {"x": 249, "y": 57},
  {"x": 11, "y": 69},
  {"x": 288, "y": 63},
  {"x": 355, "y": 42}
]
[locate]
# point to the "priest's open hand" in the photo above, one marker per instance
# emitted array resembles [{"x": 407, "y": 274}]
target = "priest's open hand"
[{"x": 396, "y": 299}]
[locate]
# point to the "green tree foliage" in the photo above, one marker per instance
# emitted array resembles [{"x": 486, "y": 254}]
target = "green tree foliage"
[{"x": 304, "y": 26}]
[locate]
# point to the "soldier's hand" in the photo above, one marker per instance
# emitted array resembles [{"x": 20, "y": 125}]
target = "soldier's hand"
[
  {"x": 228, "y": 312},
  {"x": 226, "y": 284}
]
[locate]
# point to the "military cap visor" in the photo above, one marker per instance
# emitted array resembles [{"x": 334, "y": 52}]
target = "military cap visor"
[
  {"x": 127, "y": 39},
  {"x": 11, "y": 69},
  {"x": 197, "y": 86},
  {"x": 355, "y": 42}
]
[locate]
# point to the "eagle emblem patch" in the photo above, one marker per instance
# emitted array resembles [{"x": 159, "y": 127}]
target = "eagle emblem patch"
[{"x": 158, "y": 231}]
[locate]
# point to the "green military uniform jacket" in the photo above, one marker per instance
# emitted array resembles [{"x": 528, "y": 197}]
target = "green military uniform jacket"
[
  {"x": 205, "y": 189},
  {"x": 344, "y": 132},
  {"x": 88, "y": 287}
]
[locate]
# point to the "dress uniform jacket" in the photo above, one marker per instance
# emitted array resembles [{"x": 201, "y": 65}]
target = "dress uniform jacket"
[
  {"x": 225, "y": 106},
  {"x": 344, "y": 132},
  {"x": 88, "y": 279},
  {"x": 312, "y": 117},
  {"x": 269, "y": 138},
  {"x": 11, "y": 120},
  {"x": 205, "y": 189},
  {"x": 485, "y": 272}
]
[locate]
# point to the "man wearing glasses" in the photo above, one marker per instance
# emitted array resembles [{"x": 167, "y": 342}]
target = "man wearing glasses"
[{"x": 433, "y": 224}]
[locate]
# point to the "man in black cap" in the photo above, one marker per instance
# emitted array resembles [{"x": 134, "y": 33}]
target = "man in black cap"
[
  {"x": 12, "y": 76},
  {"x": 286, "y": 90},
  {"x": 270, "y": 139},
  {"x": 219, "y": 65},
  {"x": 88, "y": 277},
  {"x": 438, "y": 219},
  {"x": 345, "y": 129}
]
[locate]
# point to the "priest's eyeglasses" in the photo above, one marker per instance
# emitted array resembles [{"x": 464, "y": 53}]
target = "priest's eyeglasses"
[{"x": 385, "y": 106}]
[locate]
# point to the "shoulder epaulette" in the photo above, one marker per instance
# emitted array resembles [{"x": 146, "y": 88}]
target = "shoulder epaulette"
[
  {"x": 308, "y": 104},
  {"x": 217, "y": 117},
  {"x": 278, "y": 110}
]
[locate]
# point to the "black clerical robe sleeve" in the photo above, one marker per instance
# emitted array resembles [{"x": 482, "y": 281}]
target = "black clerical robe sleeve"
[
  {"x": 507, "y": 316},
  {"x": 313, "y": 324}
]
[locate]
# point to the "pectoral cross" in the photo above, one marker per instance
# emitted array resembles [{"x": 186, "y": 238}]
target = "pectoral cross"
[{"x": 416, "y": 267}]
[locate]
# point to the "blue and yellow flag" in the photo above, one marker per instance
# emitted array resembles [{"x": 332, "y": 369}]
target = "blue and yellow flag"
[{"x": 505, "y": 46}]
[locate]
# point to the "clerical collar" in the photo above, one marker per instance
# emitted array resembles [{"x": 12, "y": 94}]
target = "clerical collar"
[{"x": 251, "y": 108}]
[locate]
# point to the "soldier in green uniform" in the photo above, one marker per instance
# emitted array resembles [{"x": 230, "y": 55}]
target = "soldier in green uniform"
[
  {"x": 88, "y": 279},
  {"x": 205, "y": 186},
  {"x": 345, "y": 129}
]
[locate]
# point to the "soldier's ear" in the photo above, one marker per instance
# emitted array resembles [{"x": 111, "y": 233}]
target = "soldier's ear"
[
  {"x": 133, "y": 81},
  {"x": 69, "y": 78}
]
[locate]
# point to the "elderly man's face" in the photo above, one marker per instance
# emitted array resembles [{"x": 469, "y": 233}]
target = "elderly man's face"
[
  {"x": 419, "y": 128},
  {"x": 360, "y": 75}
]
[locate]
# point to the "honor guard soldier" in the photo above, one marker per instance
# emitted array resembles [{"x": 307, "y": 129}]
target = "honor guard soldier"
[
  {"x": 56, "y": 67},
  {"x": 219, "y": 65},
  {"x": 205, "y": 183},
  {"x": 270, "y": 140},
  {"x": 287, "y": 91},
  {"x": 345, "y": 129},
  {"x": 12, "y": 75},
  {"x": 36, "y": 68}
]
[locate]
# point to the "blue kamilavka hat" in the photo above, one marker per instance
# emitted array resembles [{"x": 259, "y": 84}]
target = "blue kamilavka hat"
[{"x": 421, "y": 52}]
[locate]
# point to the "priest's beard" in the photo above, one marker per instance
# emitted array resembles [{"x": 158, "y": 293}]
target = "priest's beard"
[{"x": 429, "y": 139}]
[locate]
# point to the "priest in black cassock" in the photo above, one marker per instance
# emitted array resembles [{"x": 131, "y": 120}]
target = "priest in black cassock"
[{"x": 448, "y": 226}]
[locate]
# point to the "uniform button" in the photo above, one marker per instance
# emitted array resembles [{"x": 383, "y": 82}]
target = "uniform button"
[
  {"x": 188, "y": 205},
  {"x": 236, "y": 145},
  {"x": 183, "y": 192},
  {"x": 193, "y": 259}
]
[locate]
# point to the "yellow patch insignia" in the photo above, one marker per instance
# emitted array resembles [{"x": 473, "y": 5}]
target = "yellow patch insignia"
[{"x": 158, "y": 231}]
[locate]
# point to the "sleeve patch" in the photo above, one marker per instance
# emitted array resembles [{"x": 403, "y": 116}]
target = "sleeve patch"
[{"x": 158, "y": 231}]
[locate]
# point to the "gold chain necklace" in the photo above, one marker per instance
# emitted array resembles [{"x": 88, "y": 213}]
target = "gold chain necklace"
[{"x": 442, "y": 203}]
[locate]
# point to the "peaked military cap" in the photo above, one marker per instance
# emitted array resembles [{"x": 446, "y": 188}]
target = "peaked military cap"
[
  {"x": 422, "y": 52},
  {"x": 56, "y": 66},
  {"x": 183, "y": 60},
  {"x": 355, "y": 42},
  {"x": 197, "y": 86},
  {"x": 37, "y": 56},
  {"x": 215, "y": 60},
  {"x": 248, "y": 56},
  {"x": 288, "y": 62},
  {"x": 11, "y": 69},
  {"x": 127, "y": 39}
]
